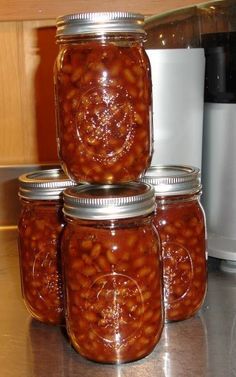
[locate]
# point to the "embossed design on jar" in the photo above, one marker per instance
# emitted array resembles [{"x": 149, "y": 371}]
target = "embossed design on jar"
[
  {"x": 40, "y": 227},
  {"x": 113, "y": 288},
  {"x": 114, "y": 293},
  {"x": 105, "y": 122},
  {"x": 178, "y": 271},
  {"x": 45, "y": 277},
  {"x": 103, "y": 105}
]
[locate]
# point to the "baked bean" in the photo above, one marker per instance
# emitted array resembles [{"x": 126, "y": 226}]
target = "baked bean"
[
  {"x": 119, "y": 314},
  {"x": 40, "y": 227},
  {"x": 103, "y": 97},
  {"x": 182, "y": 231}
]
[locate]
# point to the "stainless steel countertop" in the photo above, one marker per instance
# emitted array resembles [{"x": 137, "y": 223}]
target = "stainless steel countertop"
[{"x": 199, "y": 347}]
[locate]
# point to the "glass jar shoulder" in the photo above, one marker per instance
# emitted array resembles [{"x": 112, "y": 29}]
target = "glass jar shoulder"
[
  {"x": 177, "y": 211},
  {"x": 134, "y": 234},
  {"x": 111, "y": 57},
  {"x": 40, "y": 216}
]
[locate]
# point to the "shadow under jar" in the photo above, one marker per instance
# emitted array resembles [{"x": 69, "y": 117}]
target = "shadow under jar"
[
  {"x": 40, "y": 224},
  {"x": 103, "y": 97},
  {"x": 180, "y": 221},
  {"x": 112, "y": 272}
]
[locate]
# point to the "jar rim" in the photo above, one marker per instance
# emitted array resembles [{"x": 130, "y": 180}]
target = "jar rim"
[
  {"x": 104, "y": 202},
  {"x": 171, "y": 180},
  {"x": 45, "y": 184},
  {"x": 100, "y": 22}
]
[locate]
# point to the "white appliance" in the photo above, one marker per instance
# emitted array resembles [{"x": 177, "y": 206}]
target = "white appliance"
[
  {"x": 219, "y": 146},
  {"x": 178, "y": 100},
  {"x": 219, "y": 179}
]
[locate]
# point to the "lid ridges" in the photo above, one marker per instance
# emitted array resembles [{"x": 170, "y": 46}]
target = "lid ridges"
[
  {"x": 109, "y": 202},
  {"x": 45, "y": 184},
  {"x": 95, "y": 16},
  {"x": 173, "y": 179},
  {"x": 99, "y": 22}
]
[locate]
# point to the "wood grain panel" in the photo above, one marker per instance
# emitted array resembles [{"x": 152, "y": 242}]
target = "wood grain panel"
[
  {"x": 27, "y": 120},
  {"x": 11, "y": 140},
  {"x": 44, "y": 9}
]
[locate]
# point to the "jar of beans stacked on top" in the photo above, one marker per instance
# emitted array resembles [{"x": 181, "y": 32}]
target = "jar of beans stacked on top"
[
  {"x": 103, "y": 97},
  {"x": 113, "y": 272},
  {"x": 40, "y": 225},
  {"x": 180, "y": 221}
]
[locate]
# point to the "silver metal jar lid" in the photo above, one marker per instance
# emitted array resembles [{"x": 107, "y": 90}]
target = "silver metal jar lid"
[
  {"x": 44, "y": 184},
  {"x": 104, "y": 202},
  {"x": 173, "y": 180},
  {"x": 100, "y": 22}
]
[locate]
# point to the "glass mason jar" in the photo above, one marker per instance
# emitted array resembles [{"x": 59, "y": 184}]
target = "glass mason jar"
[
  {"x": 40, "y": 224},
  {"x": 103, "y": 97},
  {"x": 113, "y": 272},
  {"x": 180, "y": 221}
]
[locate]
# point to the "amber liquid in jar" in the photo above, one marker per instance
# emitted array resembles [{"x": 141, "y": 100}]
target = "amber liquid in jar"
[
  {"x": 181, "y": 225},
  {"x": 40, "y": 227},
  {"x": 103, "y": 106},
  {"x": 112, "y": 272}
]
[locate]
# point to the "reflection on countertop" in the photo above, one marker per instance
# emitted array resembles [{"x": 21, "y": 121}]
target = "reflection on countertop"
[{"x": 202, "y": 346}]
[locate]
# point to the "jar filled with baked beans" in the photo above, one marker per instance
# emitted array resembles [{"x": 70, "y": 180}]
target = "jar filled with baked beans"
[
  {"x": 40, "y": 224},
  {"x": 103, "y": 97},
  {"x": 180, "y": 221},
  {"x": 113, "y": 272}
]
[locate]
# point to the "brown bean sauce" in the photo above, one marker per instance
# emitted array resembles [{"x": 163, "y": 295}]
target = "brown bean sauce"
[
  {"x": 181, "y": 227},
  {"x": 113, "y": 291},
  {"x": 40, "y": 227},
  {"x": 103, "y": 102}
]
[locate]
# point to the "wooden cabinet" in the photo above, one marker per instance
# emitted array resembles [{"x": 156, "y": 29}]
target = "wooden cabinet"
[{"x": 27, "y": 53}]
